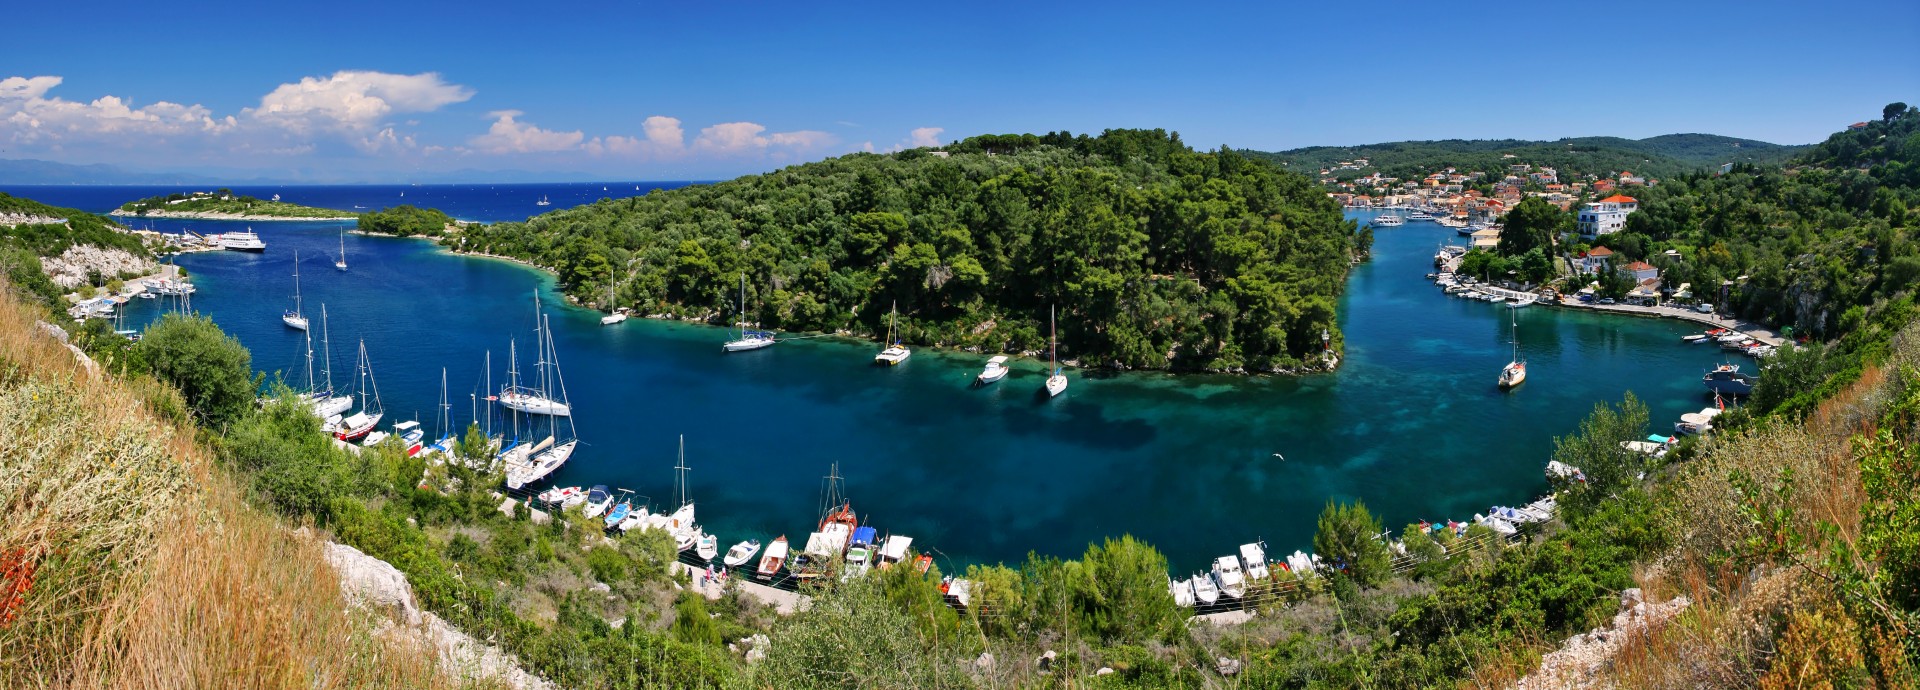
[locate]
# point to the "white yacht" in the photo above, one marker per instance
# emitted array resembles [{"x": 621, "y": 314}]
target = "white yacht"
[
  {"x": 1057, "y": 383},
  {"x": 748, "y": 340},
  {"x": 1254, "y": 558},
  {"x": 614, "y": 314},
  {"x": 996, "y": 369},
  {"x": 341, "y": 263},
  {"x": 1515, "y": 373},
  {"x": 534, "y": 464},
  {"x": 325, "y": 404},
  {"x": 1232, "y": 581},
  {"x": 242, "y": 242},
  {"x": 897, "y": 352},
  {"x": 292, "y": 317},
  {"x": 1388, "y": 221},
  {"x": 1205, "y": 590}
]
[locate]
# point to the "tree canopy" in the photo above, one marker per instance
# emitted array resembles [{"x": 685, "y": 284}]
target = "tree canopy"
[
  {"x": 1157, "y": 256},
  {"x": 406, "y": 221},
  {"x": 212, "y": 370}
]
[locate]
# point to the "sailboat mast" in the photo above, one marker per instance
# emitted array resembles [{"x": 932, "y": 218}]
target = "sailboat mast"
[
  {"x": 446, "y": 411},
  {"x": 680, "y": 485},
  {"x": 297, "y": 310},
  {"x": 561, "y": 378},
  {"x": 326, "y": 344},
  {"x": 1053, "y": 341}
]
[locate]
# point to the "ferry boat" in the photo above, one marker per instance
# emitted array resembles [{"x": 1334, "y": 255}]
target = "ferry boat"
[
  {"x": 242, "y": 242},
  {"x": 1419, "y": 215},
  {"x": 1726, "y": 379},
  {"x": 996, "y": 369}
]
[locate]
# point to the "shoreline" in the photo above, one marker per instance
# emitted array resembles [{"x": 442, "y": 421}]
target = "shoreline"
[{"x": 216, "y": 215}]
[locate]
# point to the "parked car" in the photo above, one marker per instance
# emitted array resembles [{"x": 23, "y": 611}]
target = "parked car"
[
  {"x": 1586, "y": 298},
  {"x": 1606, "y": 300},
  {"x": 1703, "y": 308}
]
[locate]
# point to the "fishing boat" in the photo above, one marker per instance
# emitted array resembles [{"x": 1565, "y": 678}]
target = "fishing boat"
[
  {"x": 341, "y": 263},
  {"x": 547, "y": 455},
  {"x": 1205, "y": 590},
  {"x": 1233, "y": 582},
  {"x": 740, "y": 553},
  {"x": 747, "y": 340},
  {"x": 706, "y": 547},
  {"x": 776, "y": 557},
  {"x": 598, "y": 501},
  {"x": 1057, "y": 383},
  {"x": 1726, "y": 379},
  {"x": 1182, "y": 592},
  {"x": 859, "y": 553},
  {"x": 563, "y": 496},
  {"x": 410, "y": 436},
  {"x": 292, "y": 317},
  {"x": 1515, "y": 372},
  {"x": 1254, "y": 558},
  {"x": 361, "y": 423},
  {"x": 619, "y": 513},
  {"x": 894, "y": 550},
  {"x": 614, "y": 314},
  {"x": 242, "y": 242},
  {"x": 996, "y": 369},
  {"x": 897, "y": 352}
]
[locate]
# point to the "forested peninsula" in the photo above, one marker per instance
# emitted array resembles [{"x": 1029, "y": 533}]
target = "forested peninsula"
[
  {"x": 1156, "y": 256},
  {"x": 224, "y": 205}
]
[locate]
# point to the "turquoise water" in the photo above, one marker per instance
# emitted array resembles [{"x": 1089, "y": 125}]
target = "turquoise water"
[{"x": 1412, "y": 424}]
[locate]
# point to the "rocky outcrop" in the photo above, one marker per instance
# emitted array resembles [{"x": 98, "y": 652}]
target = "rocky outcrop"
[
  {"x": 1579, "y": 663},
  {"x": 72, "y": 266},
  {"x": 374, "y": 584},
  {"x": 11, "y": 219}
]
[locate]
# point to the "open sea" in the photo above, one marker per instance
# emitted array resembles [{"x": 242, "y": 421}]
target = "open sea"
[{"x": 1412, "y": 424}]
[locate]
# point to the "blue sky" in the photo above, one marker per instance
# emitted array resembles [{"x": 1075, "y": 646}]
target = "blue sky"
[{"x": 385, "y": 91}]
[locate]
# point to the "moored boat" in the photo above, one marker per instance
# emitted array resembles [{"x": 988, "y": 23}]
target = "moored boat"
[
  {"x": 740, "y": 553},
  {"x": 995, "y": 370},
  {"x": 1205, "y": 590},
  {"x": 1057, "y": 383},
  {"x": 1726, "y": 379},
  {"x": 776, "y": 557},
  {"x": 894, "y": 550},
  {"x": 1182, "y": 592},
  {"x": 563, "y": 496},
  {"x": 748, "y": 340},
  {"x": 598, "y": 501},
  {"x": 706, "y": 547},
  {"x": 242, "y": 242},
  {"x": 897, "y": 352},
  {"x": 1253, "y": 557},
  {"x": 1226, "y": 570}
]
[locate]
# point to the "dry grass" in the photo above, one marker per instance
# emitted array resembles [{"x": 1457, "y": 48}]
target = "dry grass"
[{"x": 147, "y": 569}]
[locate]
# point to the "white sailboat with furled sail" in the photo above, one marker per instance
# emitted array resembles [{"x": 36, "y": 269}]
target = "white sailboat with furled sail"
[
  {"x": 292, "y": 317},
  {"x": 748, "y": 340},
  {"x": 896, "y": 351},
  {"x": 530, "y": 400},
  {"x": 341, "y": 263},
  {"x": 1515, "y": 373},
  {"x": 528, "y": 464},
  {"x": 357, "y": 426},
  {"x": 1057, "y": 383},
  {"x": 326, "y": 405}
]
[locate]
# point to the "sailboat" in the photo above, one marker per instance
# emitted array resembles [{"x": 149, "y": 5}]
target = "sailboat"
[
  {"x": 444, "y": 446},
  {"x": 748, "y": 340},
  {"x": 837, "y": 523},
  {"x": 325, "y": 404},
  {"x": 543, "y": 201},
  {"x": 1515, "y": 372},
  {"x": 526, "y": 465},
  {"x": 1057, "y": 383},
  {"x": 895, "y": 353},
  {"x": 613, "y": 315},
  {"x": 521, "y": 398},
  {"x": 359, "y": 423},
  {"x": 341, "y": 263},
  {"x": 292, "y": 317}
]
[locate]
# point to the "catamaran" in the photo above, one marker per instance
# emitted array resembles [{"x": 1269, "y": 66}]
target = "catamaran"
[
  {"x": 526, "y": 465},
  {"x": 341, "y": 263},
  {"x": 360, "y": 423},
  {"x": 897, "y": 352},
  {"x": 292, "y": 317},
  {"x": 1515, "y": 372},
  {"x": 748, "y": 340},
  {"x": 1057, "y": 383}
]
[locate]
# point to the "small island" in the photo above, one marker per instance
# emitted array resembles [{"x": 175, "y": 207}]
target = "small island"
[{"x": 223, "y": 204}]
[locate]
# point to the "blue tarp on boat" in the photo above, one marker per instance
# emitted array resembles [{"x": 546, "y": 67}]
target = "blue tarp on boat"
[
  {"x": 864, "y": 536},
  {"x": 1656, "y": 438}
]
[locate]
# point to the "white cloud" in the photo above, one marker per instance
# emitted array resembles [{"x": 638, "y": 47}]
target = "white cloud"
[
  {"x": 24, "y": 88},
  {"x": 665, "y": 132},
  {"x": 733, "y": 138},
  {"x": 925, "y": 137},
  {"x": 354, "y": 100},
  {"x": 28, "y": 116},
  {"x": 510, "y": 136}
]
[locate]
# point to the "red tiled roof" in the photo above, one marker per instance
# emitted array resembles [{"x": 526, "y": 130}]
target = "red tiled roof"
[
  {"x": 1619, "y": 199},
  {"x": 1639, "y": 266},
  {"x": 1600, "y": 252}
]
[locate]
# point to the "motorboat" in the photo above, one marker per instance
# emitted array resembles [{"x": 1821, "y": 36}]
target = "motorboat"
[
  {"x": 1726, "y": 379},
  {"x": 1563, "y": 471},
  {"x": 619, "y": 513},
  {"x": 1697, "y": 422},
  {"x": 637, "y": 518},
  {"x": 373, "y": 438},
  {"x": 740, "y": 553},
  {"x": 1232, "y": 581},
  {"x": 1302, "y": 564},
  {"x": 242, "y": 242},
  {"x": 1695, "y": 338},
  {"x": 563, "y": 496},
  {"x": 1254, "y": 558},
  {"x": 959, "y": 591},
  {"x": 410, "y": 435},
  {"x": 995, "y": 370},
  {"x": 748, "y": 340},
  {"x": 897, "y": 352},
  {"x": 706, "y": 547},
  {"x": 1182, "y": 591},
  {"x": 775, "y": 558},
  {"x": 859, "y": 553},
  {"x": 598, "y": 501},
  {"x": 1205, "y": 590}
]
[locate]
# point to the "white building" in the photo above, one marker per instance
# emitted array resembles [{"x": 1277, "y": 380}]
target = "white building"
[{"x": 1607, "y": 215}]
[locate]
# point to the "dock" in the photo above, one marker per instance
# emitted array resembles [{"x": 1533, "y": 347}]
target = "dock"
[{"x": 784, "y": 602}]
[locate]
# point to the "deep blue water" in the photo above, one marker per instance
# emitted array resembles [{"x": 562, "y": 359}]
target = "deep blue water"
[{"x": 1412, "y": 424}]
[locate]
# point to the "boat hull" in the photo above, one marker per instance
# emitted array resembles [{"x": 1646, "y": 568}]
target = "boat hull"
[
  {"x": 992, "y": 375},
  {"x": 533, "y": 404},
  {"x": 747, "y": 345},
  {"x": 1056, "y": 384},
  {"x": 540, "y": 464},
  {"x": 295, "y": 322}
]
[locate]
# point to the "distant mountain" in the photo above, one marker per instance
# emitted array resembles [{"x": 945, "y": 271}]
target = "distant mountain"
[
  {"x": 30, "y": 171},
  {"x": 1660, "y": 156}
]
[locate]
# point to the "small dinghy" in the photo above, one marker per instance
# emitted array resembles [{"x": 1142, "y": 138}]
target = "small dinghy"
[
  {"x": 776, "y": 557},
  {"x": 741, "y": 553}
]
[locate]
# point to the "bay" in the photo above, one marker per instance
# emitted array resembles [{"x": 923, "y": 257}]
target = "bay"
[{"x": 1411, "y": 424}]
